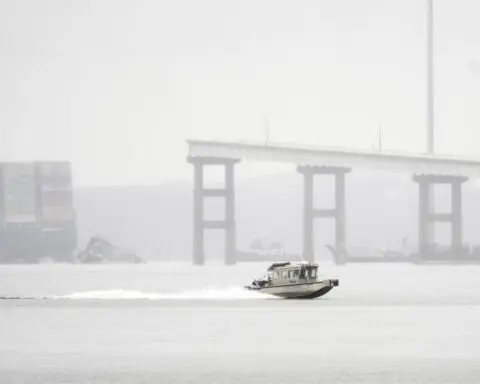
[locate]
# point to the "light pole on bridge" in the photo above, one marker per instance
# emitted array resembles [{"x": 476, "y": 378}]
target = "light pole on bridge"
[
  {"x": 430, "y": 81},
  {"x": 430, "y": 108}
]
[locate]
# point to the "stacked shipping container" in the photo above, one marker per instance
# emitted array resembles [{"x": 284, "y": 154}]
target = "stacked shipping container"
[
  {"x": 37, "y": 212},
  {"x": 19, "y": 199}
]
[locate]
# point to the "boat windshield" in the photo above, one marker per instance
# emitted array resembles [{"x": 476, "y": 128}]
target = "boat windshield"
[
  {"x": 303, "y": 272},
  {"x": 273, "y": 275}
]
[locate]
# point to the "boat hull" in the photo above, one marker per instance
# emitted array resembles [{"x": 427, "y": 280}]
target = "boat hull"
[{"x": 298, "y": 291}]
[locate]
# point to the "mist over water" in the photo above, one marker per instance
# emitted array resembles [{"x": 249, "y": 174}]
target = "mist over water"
[
  {"x": 179, "y": 323},
  {"x": 116, "y": 87}
]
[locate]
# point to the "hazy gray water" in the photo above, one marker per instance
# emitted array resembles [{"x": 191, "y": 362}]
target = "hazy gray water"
[{"x": 175, "y": 323}]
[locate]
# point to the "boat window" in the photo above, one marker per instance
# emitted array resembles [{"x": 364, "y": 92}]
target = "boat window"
[
  {"x": 273, "y": 275},
  {"x": 284, "y": 274},
  {"x": 313, "y": 272},
  {"x": 296, "y": 273}
]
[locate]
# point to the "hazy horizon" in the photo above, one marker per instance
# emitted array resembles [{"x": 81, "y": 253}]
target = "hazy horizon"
[{"x": 117, "y": 86}]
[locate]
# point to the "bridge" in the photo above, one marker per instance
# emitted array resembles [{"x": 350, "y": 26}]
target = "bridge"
[{"x": 426, "y": 171}]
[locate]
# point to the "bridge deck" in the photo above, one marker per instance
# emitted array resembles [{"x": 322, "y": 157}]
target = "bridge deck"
[{"x": 423, "y": 164}]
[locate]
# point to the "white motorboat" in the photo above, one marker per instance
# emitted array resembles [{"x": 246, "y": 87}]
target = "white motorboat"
[{"x": 293, "y": 280}]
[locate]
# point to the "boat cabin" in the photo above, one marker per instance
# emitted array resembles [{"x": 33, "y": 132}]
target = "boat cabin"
[{"x": 291, "y": 273}]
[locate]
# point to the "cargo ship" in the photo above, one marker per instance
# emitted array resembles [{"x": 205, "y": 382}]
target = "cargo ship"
[{"x": 37, "y": 216}]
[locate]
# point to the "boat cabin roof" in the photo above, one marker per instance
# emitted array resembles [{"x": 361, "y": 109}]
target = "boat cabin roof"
[{"x": 289, "y": 264}]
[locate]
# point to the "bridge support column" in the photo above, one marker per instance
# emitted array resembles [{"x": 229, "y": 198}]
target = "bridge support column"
[
  {"x": 199, "y": 222},
  {"x": 427, "y": 217},
  {"x": 310, "y": 213}
]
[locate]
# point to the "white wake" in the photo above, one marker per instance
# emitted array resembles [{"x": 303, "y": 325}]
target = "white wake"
[{"x": 208, "y": 293}]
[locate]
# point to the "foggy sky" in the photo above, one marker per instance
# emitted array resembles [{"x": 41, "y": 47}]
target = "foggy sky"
[{"x": 116, "y": 86}]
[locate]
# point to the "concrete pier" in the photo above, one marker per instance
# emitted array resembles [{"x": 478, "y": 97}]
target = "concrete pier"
[
  {"x": 428, "y": 170},
  {"x": 427, "y": 217},
  {"x": 199, "y": 222},
  {"x": 310, "y": 213}
]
